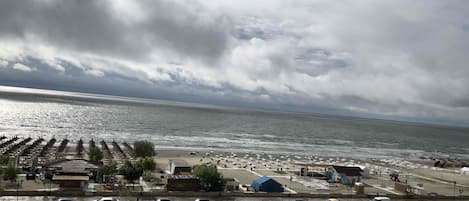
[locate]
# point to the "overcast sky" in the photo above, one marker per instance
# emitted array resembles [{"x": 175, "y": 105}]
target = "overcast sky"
[{"x": 404, "y": 60}]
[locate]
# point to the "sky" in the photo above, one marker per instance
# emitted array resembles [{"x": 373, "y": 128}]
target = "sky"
[{"x": 391, "y": 59}]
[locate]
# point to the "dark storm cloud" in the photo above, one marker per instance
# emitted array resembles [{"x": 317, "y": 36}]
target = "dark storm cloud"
[{"x": 94, "y": 26}]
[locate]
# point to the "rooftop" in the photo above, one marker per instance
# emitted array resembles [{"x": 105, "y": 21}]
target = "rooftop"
[
  {"x": 70, "y": 178},
  {"x": 349, "y": 171},
  {"x": 75, "y": 165},
  {"x": 182, "y": 177},
  {"x": 180, "y": 163}
]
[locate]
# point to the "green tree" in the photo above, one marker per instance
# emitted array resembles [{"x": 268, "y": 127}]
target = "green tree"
[
  {"x": 210, "y": 178},
  {"x": 10, "y": 173},
  {"x": 147, "y": 163},
  {"x": 107, "y": 170},
  {"x": 95, "y": 154},
  {"x": 144, "y": 148},
  {"x": 131, "y": 171}
]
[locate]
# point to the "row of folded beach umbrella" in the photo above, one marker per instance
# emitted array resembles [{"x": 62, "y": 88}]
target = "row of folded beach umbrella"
[{"x": 31, "y": 152}]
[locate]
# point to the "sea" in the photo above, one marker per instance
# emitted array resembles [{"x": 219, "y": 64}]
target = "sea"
[{"x": 197, "y": 127}]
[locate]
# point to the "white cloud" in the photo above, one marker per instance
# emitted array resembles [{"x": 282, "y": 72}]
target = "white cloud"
[{"x": 22, "y": 67}]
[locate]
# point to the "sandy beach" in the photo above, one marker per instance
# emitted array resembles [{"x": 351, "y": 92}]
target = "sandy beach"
[{"x": 246, "y": 166}]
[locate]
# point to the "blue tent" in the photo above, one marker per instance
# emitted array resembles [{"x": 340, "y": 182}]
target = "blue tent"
[{"x": 266, "y": 184}]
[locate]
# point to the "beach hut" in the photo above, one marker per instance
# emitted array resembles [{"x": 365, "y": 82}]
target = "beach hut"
[
  {"x": 266, "y": 184},
  {"x": 179, "y": 166}
]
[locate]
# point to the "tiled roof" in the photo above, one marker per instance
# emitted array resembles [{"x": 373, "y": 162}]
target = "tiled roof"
[{"x": 76, "y": 165}]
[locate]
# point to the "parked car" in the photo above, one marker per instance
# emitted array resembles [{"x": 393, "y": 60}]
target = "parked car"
[
  {"x": 164, "y": 199},
  {"x": 381, "y": 199},
  {"x": 65, "y": 199},
  {"x": 107, "y": 199},
  {"x": 199, "y": 199}
]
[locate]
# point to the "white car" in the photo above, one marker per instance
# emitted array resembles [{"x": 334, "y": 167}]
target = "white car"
[
  {"x": 381, "y": 199},
  {"x": 65, "y": 199},
  {"x": 199, "y": 199},
  {"x": 107, "y": 199},
  {"x": 164, "y": 199}
]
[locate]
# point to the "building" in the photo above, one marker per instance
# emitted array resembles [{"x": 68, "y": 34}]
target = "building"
[
  {"x": 177, "y": 167},
  {"x": 365, "y": 171},
  {"x": 359, "y": 188},
  {"x": 71, "y": 173},
  {"x": 183, "y": 183},
  {"x": 344, "y": 175},
  {"x": 231, "y": 184},
  {"x": 402, "y": 187},
  {"x": 266, "y": 184}
]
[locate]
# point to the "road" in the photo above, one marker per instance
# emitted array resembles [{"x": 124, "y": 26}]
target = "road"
[{"x": 39, "y": 198}]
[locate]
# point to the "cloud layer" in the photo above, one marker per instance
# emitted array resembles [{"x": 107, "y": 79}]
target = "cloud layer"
[{"x": 389, "y": 59}]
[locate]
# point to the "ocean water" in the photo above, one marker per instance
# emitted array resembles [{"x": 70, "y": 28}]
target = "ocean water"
[{"x": 172, "y": 125}]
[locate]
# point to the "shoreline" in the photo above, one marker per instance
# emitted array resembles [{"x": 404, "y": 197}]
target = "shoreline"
[{"x": 411, "y": 155}]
